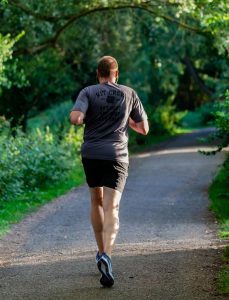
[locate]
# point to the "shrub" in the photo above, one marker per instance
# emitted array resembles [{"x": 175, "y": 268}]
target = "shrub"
[
  {"x": 163, "y": 120},
  {"x": 31, "y": 161},
  {"x": 221, "y": 135},
  {"x": 202, "y": 116},
  {"x": 56, "y": 118},
  {"x": 207, "y": 112}
]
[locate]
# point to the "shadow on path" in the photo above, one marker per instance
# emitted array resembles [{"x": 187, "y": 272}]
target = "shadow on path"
[{"x": 143, "y": 276}]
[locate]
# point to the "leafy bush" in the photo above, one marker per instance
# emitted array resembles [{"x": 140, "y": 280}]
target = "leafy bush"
[
  {"x": 222, "y": 126},
  {"x": 202, "y": 116},
  {"x": 4, "y": 126},
  {"x": 163, "y": 120},
  {"x": 207, "y": 112},
  {"x": 56, "y": 118},
  {"x": 219, "y": 195},
  {"x": 31, "y": 161}
]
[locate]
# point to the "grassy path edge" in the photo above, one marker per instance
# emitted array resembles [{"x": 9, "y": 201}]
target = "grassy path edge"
[
  {"x": 219, "y": 197},
  {"x": 16, "y": 209}
]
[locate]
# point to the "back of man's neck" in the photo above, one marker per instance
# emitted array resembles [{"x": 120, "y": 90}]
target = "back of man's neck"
[{"x": 106, "y": 80}]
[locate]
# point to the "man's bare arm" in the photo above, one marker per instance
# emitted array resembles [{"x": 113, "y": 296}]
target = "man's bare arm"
[
  {"x": 76, "y": 117},
  {"x": 140, "y": 127}
]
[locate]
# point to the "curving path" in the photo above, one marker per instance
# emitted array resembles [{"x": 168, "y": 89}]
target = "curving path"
[{"x": 167, "y": 246}]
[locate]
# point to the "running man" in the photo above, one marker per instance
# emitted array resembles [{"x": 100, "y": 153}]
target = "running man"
[{"x": 108, "y": 109}]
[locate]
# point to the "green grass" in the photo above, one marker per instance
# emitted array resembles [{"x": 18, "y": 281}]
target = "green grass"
[
  {"x": 219, "y": 195},
  {"x": 14, "y": 210},
  {"x": 223, "y": 277}
]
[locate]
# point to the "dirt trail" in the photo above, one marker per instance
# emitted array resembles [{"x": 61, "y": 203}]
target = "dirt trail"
[{"x": 167, "y": 246}]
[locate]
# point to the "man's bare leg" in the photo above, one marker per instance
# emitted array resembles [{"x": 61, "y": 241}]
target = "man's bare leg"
[
  {"x": 111, "y": 200},
  {"x": 97, "y": 216}
]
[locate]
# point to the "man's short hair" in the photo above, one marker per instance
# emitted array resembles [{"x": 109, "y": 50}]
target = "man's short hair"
[{"x": 106, "y": 65}]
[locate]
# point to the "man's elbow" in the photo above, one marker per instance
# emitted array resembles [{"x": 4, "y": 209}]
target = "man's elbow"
[
  {"x": 145, "y": 131},
  {"x": 142, "y": 127}
]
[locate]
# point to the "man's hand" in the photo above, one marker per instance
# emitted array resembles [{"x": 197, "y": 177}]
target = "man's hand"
[
  {"x": 140, "y": 127},
  {"x": 76, "y": 117}
]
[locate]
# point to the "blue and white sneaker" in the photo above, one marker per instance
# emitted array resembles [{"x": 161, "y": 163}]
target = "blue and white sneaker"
[
  {"x": 97, "y": 258},
  {"x": 105, "y": 268}
]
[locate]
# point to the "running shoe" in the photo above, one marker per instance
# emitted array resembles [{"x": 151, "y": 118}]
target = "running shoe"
[
  {"x": 97, "y": 257},
  {"x": 105, "y": 268}
]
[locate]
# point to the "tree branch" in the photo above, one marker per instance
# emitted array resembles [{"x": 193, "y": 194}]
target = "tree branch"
[
  {"x": 73, "y": 18},
  {"x": 52, "y": 18}
]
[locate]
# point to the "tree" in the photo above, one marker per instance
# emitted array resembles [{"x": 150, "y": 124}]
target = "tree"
[{"x": 56, "y": 56}]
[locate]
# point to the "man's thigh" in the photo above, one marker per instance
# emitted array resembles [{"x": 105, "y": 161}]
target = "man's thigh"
[{"x": 96, "y": 195}]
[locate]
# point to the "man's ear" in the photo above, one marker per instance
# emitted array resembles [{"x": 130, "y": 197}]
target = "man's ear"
[
  {"x": 116, "y": 75},
  {"x": 97, "y": 75}
]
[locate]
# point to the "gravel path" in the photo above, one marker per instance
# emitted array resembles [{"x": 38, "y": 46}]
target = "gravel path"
[{"x": 167, "y": 246}]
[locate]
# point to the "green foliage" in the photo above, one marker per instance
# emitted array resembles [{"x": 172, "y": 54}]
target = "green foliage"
[
  {"x": 55, "y": 117},
  {"x": 219, "y": 195},
  {"x": 29, "y": 162},
  {"x": 207, "y": 112},
  {"x": 222, "y": 115},
  {"x": 14, "y": 210},
  {"x": 63, "y": 40},
  {"x": 192, "y": 119},
  {"x": 222, "y": 125},
  {"x": 216, "y": 20},
  {"x": 6, "y": 52},
  {"x": 202, "y": 116},
  {"x": 165, "y": 118},
  {"x": 163, "y": 121},
  {"x": 223, "y": 280}
]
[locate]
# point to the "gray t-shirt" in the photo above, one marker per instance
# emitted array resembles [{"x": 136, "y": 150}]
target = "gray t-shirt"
[{"x": 107, "y": 108}]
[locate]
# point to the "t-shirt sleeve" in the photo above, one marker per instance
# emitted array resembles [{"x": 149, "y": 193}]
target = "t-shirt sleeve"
[
  {"x": 81, "y": 103},
  {"x": 137, "y": 113}
]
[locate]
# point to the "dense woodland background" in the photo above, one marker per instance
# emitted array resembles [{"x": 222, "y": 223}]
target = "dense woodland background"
[{"x": 173, "y": 53}]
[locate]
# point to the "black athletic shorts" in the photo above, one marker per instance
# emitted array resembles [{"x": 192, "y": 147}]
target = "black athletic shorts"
[{"x": 107, "y": 173}]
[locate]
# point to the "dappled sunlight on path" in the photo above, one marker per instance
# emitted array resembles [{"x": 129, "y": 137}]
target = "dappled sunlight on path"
[
  {"x": 177, "y": 151},
  {"x": 130, "y": 249}
]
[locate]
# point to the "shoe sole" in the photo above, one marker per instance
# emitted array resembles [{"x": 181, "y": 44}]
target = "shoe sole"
[{"x": 107, "y": 278}]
